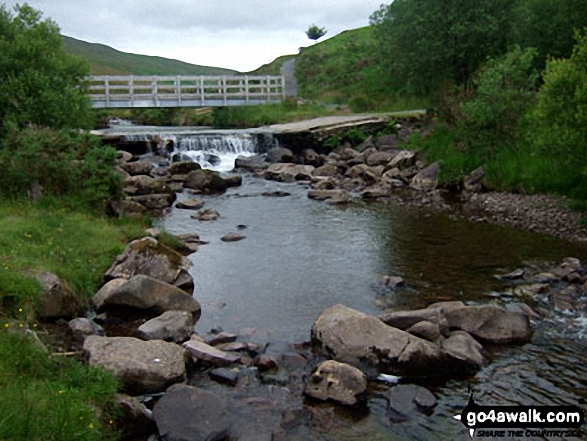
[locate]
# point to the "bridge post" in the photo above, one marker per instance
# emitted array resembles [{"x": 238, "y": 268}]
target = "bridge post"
[
  {"x": 282, "y": 88},
  {"x": 107, "y": 90},
  {"x": 178, "y": 90},
  {"x": 131, "y": 91},
  {"x": 224, "y": 89},
  {"x": 202, "y": 94},
  {"x": 154, "y": 90},
  {"x": 247, "y": 89}
]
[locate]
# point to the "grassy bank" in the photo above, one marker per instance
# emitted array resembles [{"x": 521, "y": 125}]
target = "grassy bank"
[{"x": 47, "y": 397}]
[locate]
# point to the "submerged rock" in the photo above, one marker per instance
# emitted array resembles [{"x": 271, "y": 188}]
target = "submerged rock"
[
  {"x": 233, "y": 237},
  {"x": 206, "y": 215},
  {"x": 142, "y": 366},
  {"x": 406, "y": 399},
  {"x": 190, "y": 204},
  {"x": 187, "y": 413},
  {"x": 338, "y": 382}
]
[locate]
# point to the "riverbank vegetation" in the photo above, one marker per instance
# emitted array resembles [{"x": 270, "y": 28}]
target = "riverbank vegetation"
[{"x": 54, "y": 187}]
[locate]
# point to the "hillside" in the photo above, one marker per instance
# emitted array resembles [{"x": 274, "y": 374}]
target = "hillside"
[{"x": 105, "y": 60}]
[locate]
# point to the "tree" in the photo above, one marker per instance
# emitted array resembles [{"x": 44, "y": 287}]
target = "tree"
[
  {"x": 40, "y": 83},
  {"x": 428, "y": 46},
  {"x": 315, "y": 33},
  {"x": 548, "y": 26}
]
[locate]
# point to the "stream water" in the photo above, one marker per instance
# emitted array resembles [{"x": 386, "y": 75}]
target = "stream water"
[{"x": 301, "y": 257}]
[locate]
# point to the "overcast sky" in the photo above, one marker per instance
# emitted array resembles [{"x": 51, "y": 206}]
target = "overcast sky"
[{"x": 236, "y": 34}]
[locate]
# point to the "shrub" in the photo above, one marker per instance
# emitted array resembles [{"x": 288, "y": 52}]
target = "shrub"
[{"x": 74, "y": 167}]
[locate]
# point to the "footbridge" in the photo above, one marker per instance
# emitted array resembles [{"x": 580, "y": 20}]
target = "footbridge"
[{"x": 184, "y": 91}]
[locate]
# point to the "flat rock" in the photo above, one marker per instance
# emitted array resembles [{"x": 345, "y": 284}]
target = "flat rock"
[
  {"x": 225, "y": 376},
  {"x": 222, "y": 338},
  {"x": 426, "y": 330},
  {"x": 176, "y": 326},
  {"x": 143, "y": 292},
  {"x": 203, "y": 352},
  {"x": 190, "y": 204},
  {"x": 406, "y": 399},
  {"x": 187, "y": 413},
  {"x": 338, "y": 382},
  {"x": 233, "y": 237},
  {"x": 142, "y": 366},
  {"x": 206, "y": 215}
]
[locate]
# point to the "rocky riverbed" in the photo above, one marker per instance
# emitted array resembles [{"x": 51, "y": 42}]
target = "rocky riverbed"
[{"x": 353, "y": 368}]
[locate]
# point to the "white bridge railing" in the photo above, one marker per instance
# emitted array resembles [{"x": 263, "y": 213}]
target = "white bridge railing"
[{"x": 184, "y": 91}]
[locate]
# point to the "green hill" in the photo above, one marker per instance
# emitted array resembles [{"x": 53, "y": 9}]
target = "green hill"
[
  {"x": 105, "y": 60},
  {"x": 272, "y": 68}
]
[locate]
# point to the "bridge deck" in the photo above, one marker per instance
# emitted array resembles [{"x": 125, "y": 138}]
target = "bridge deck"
[{"x": 184, "y": 91}]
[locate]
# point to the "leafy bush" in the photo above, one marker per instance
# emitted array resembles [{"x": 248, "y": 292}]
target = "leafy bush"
[{"x": 72, "y": 166}]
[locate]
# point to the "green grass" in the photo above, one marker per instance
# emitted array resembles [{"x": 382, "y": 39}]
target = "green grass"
[
  {"x": 45, "y": 398},
  {"x": 105, "y": 60},
  {"x": 77, "y": 247},
  {"x": 273, "y": 68}
]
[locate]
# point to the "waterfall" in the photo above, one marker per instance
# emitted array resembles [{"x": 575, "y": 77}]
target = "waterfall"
[{"x": 219, "y": 150}]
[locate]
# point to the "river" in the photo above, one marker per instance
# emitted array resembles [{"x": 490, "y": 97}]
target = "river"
[{"x": 301, "y": 257}]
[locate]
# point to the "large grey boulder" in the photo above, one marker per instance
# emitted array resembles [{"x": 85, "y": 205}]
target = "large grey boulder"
[
  {"x": 176, "y": 326},
  {"x": 57, "y": 299},
  {"x": 379, "y": 158},
  {"x": 491, "y": 324},
  {"x": 144, "y": 292},
  {"x": 151, "y": 258},
  {"x": 142, "y": 366},
  {"x": 280, "y": 155},
  {"x": 137, "y": 167},
  {"x": 251, "y": 163},
  {"x": 402, "y": 160},
  {"x": 355, "y": 338},
  {"x": 186, "y": 413},
  {"x": 338, "y": 382}
]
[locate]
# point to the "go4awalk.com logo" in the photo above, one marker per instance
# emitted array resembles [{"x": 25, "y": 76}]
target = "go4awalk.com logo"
[{"x": 522, "y": 421}]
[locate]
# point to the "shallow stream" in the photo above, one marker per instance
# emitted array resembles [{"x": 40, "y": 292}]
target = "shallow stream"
[{"x": 301, "y": 257}]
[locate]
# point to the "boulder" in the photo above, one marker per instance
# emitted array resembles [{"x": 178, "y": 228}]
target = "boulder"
[
  {"x": 137, "y": 168},
  {"x": 176, "y": 326},
  {"x": 426, "y": 330},
  {"x": 280, "y": 155},
  {"x": 491, "y": 324},
  {"x": 159, "y": 201},
  {"x": 406, "y": 399},
  {"x": 233, "y": 237},
  {"x": 465, "y": 351},
  {"x": 310, "y": 157},
  {"x": 81, "y": 328},
  {"x": 209, "y": 354},
  {"x": 348, "y": 154},
  {"x": 207, "y": 181},
  {"x": 146, "y": 293},
  {"x": 186, "y": 413},
  {"x": 426, "y": 179},
  {"x": 190, "y": 204},
  {"x": 251, "y": 163},
  {"x": 352, "y": 337},
  {"x": 183, "y": 167},
  {"x": 323, "y": 183},
  {"x": 142, "y": 366},
  {"x": 338, "y": 382},
  {"x": 474, "y": 182},
  {"x": 402, "y": 160},
  {"x": 135, "y": 420},
  {"x": 57, "y": 299},
  {"x": 206, "y": 215},
  {"x": 328, "y": 170},
  {"x": 386, "y": 142},
  {"x": 379, "y": 158},
  {"x": 225, "y": 376},
  {"x": 289, "y": 172},
  {"x": 151, "y": 258}
]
